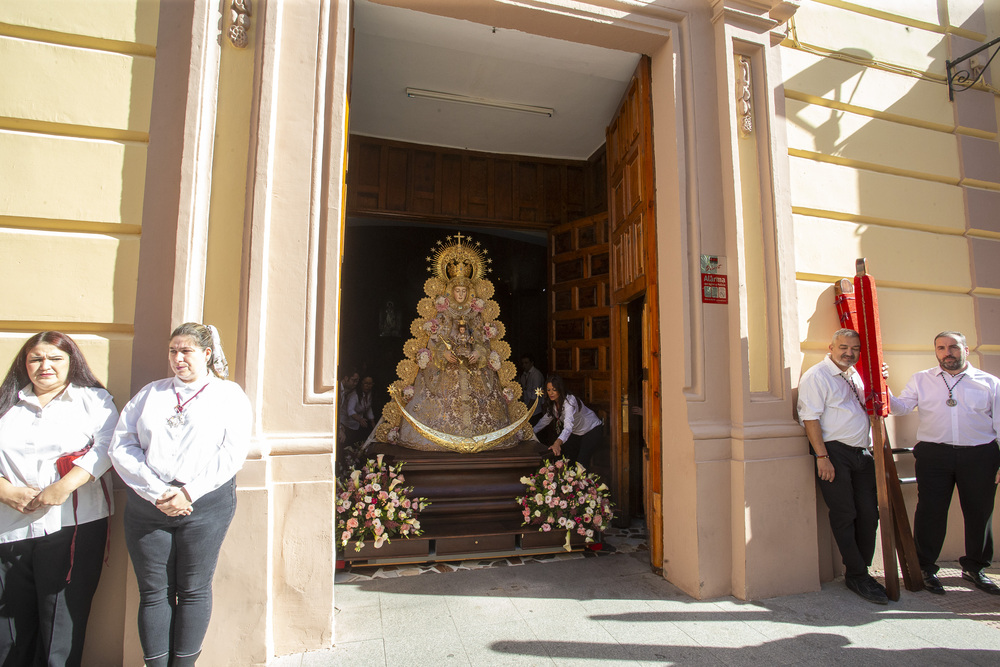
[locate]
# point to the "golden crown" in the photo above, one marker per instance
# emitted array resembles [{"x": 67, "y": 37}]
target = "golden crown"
[{"x": 458, "y": 256}]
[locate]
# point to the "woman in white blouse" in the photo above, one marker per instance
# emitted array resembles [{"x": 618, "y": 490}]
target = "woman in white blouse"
[
  {"x": 53, "y": 530},
  {"x": 178, "y": 445},
  {"x": 578, "y": 428}
]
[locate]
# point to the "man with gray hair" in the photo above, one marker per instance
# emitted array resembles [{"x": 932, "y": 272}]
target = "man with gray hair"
[
  {"x": 831, "y": 408},
  {"x": 959, "y": 408}
]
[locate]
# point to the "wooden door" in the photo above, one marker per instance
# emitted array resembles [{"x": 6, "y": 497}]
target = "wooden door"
[
  {"x": 632, "y": 223},
  {"x": 580, "y": 321}
]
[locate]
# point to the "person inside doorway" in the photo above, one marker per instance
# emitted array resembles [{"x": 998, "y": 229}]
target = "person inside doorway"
[
  {"x": 531, "y": 379},
  {"x": 358, "y": 416},
  {"x": 579, "y": 429}
]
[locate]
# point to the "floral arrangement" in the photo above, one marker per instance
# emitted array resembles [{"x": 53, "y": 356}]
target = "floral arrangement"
[
  {"x": 375, "y": 504},
  {"x": 563, "y": 495}
]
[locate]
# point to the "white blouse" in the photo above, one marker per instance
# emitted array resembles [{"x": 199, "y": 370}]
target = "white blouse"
[
  {"x": 32, "y": 437},
  {"x": 578, "y": 420},
  {"x": 201, "y": 454},
  {"x": 355, "y": 405}
]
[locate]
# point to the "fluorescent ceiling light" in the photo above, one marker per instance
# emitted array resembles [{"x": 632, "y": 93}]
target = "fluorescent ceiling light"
[{"x": 479, "y": 101}]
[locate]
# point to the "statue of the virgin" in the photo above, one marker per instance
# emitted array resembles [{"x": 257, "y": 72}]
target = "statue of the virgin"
[{"x": 456, "y": 388}]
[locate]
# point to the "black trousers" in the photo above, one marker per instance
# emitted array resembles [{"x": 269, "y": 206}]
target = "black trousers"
[
  {"x": 581, "y": 448},
  {"x": 940, "y": 468},
  {"x": 174, "y": 559},
  {"x": 853, "y": 502},
  {"x": 43, "y": 619}
]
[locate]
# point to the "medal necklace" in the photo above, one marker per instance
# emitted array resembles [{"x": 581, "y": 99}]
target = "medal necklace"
[
  {"x": 951, "y": 402},
  {"x": 179, "y": 418}
]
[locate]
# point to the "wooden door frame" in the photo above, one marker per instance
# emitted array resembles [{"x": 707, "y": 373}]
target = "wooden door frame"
[{"x": 646, "y": 284}]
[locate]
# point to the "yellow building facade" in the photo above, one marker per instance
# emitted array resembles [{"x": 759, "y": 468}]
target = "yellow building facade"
[{"x": 153, "y": 174}]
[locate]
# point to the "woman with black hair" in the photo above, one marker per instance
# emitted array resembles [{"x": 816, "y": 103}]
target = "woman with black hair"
[
  {"x": 56, "y": 420},
  {"x": 579, "y": 432},
  {"x": 178, "y": 446}
]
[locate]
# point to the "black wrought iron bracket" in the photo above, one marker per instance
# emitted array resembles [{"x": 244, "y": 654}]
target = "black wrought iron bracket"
[{"x": 963, "y": 79}]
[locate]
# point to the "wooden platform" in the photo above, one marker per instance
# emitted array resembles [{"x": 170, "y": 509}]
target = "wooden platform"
[
  {"x": 465, "y": 542},
  {"x": 473, "y": 512},
  {"x": 464, "y": 488}
]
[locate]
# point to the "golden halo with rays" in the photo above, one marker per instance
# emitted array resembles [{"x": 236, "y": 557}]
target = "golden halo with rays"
[{"x": 459, "y": 255}]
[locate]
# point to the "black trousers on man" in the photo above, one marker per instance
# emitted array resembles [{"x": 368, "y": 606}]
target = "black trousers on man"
[
  {"x": 940, "y": 468},
  {"x": 853, "y": 502}
]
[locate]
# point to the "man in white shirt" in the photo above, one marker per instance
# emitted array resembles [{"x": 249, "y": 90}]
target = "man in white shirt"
[
  {"x": 348, "y": 383},
  {"x": 959, "y": 408},
  {"x": 831, "y": 408},
  {"x": 531, "y": 379}
]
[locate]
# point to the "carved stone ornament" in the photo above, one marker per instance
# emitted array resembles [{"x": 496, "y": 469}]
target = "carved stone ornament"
[
  {"x": 239, "y": 31},
  {"x": 744, "y": 105}
]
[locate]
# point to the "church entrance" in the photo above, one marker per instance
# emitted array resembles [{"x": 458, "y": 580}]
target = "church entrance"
[{"x": 422, "y": 166}]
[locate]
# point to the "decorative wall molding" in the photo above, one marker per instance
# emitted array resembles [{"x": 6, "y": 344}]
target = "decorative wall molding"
[
  {"x": 239, "y": 30},
  {"x": 758, "y": 15},
  {"x": 744, "y": 97}
]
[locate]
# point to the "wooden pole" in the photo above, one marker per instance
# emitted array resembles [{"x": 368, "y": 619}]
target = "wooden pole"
[
  {"x": 885, "y": 515},
  {"x": 857, "y": 306}
]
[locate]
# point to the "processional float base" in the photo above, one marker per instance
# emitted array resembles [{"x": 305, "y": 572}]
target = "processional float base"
[{"x": 473, "y": 511}]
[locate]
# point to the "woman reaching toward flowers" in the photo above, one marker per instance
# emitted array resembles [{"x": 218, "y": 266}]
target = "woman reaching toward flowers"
[{"x": 579, "y": 432}]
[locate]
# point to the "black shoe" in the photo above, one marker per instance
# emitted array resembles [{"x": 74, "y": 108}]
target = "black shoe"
[
  {"x": 981, "y": 581},
  {"x": 869, "y": 589},
  {"x": 880, "y": 586},
  {"x": 932, "y": 584}
]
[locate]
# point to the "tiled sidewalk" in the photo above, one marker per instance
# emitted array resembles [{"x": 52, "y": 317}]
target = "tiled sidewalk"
[{"x": 609, "y": 609}]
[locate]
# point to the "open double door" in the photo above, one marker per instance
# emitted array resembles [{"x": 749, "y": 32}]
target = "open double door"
[{"x": 604, "y": 317}]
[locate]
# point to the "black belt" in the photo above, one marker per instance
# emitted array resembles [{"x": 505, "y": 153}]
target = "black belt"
[{"x": 945, "y": 444}]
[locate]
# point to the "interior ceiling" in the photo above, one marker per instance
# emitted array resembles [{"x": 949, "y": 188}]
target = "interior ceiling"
[{"x": 395, "y": 49}]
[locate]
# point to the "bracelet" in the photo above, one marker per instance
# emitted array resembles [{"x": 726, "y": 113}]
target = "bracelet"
[{"x": 825, "y": 456}]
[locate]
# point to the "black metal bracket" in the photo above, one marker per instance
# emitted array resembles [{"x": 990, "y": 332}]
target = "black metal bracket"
[{"x": 963, "y": 79}]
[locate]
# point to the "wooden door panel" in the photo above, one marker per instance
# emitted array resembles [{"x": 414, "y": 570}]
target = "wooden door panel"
[
  {"x": 629, "y": 257},
  {"x": 632, "y": 211},
  {"x": 580, "y": 331}
]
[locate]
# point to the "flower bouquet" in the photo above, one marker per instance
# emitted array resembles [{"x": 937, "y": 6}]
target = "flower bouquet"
[
  {"x": 375, "y": 504},
  {"x": 563, "y": 495}
]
